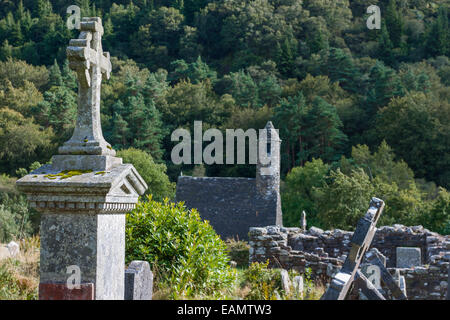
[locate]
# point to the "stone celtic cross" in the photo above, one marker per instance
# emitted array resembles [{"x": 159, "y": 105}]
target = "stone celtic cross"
[
  {"x": 87, "y": 58},
  {"x": 84, "y": 193}
]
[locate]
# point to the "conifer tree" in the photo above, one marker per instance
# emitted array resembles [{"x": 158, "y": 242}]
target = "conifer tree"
[
  {"x": 439, "y": 35},
  {"x": 54, "y": 75}
]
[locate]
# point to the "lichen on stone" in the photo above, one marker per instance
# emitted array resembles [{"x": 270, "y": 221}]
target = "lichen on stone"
[{"x": 67, "y": 174}]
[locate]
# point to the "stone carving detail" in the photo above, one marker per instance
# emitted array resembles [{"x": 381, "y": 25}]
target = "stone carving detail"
[{"x": 87, "y": 58}]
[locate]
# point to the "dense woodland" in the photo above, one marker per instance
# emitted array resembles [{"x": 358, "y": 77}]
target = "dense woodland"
[{"x": 361, "y": 112}]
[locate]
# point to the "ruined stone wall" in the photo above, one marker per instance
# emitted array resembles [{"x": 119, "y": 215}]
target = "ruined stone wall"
[
  {"x": 271, "y": 243},
  {"x": 325, "y": 251}
]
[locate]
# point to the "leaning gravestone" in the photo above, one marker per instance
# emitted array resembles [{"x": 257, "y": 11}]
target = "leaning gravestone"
[
  {"x": 360, "y": 241},
  {"x": 84, "y": 193},
  {"x": 408, "y": 257}
]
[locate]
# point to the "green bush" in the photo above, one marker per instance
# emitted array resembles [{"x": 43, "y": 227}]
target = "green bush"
[
  {"x": 238, "y": 251},
  {"x": 185, "y": 252},
  {"x": 154, "y": 174},
  {"x": 264, "y": 283},
  {"x": 17, "y": 219}
]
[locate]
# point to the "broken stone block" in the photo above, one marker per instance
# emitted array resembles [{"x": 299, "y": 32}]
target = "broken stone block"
[
  {"x": 314, "y": 231},
  {"x": 13, "y": 248},
  {"x": 285, "y": 281},
  {"x": 298, "y": 286}
]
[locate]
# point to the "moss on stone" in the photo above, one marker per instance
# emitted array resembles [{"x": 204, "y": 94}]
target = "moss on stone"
[{"x": 66, "y": 174}]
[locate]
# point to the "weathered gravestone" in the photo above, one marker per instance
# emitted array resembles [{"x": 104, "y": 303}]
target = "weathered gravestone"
[
  {"x": 138, "y": 281},
  {"x": 84, "y": 193},
  {"x": 408, "y": 257},
  {"x": 351, "y": 273},
  {"x": 361, "y": 240}
]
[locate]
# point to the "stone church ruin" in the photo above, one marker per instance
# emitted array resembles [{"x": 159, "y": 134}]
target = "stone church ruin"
[{"x": 233, "y": 205}]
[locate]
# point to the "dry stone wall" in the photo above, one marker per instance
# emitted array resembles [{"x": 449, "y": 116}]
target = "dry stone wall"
[{"x": 325, "y": 251}]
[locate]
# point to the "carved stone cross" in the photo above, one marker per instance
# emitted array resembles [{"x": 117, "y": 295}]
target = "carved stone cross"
[{"x": 87, "y": 58}]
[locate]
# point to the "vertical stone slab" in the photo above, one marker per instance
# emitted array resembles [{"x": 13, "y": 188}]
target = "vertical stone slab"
[
  {"x": 408, "y": 257},
  {"x": 111, "y": 263},
  {"x": 138, "y": 281}
]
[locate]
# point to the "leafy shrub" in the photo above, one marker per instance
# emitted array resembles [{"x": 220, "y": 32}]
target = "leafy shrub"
[
  {"x": 19, "y": 276},
  {"x": 238, "y": 251},
  {"x": 154, "y": 174},
  {"x": 264, "y": 283},
  {"x": 17, "y": 219},
  {"x": 185, "y": 252}
]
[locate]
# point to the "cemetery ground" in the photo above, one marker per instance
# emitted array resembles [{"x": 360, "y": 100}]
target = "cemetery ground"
[{"x": 19, "y": 278}]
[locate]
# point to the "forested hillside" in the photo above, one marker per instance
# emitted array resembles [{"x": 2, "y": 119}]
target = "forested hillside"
[{"x": 361, "y": 112}]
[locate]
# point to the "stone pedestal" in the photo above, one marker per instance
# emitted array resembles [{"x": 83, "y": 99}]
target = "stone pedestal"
[{"x": 83, "y": 227}]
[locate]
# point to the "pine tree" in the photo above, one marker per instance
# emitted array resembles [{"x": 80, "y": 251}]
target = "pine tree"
[
  {"x": 44, "y": 8},
  {"x": 394, "y": 21},
  {"x": 5, "y": 51},
  {"x": 439, "y": 35},
  {"x": 384, "y": 85},
  {"x": 68, "y": 76},
  {"x": 16, "y": 35},
  {"x": 120, "y": 132},
  {"x": 385, "y": 47},
  {"x": 54, "y": 75},
  {"x": 342, "y": 69},
  {"x": 285, "y": 54},
  {"x": 290, "y": 119},
  {"x": 326, "y": 140}
]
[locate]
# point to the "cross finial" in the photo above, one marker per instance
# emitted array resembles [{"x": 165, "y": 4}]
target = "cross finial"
[{"x": 87, "y": 58}]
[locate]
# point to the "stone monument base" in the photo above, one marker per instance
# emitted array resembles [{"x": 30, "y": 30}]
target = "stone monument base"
[{"x": 85, "y": 162}]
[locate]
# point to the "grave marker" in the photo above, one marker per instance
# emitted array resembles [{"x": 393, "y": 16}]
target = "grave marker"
[
  {"x": 408, "y": 257},
  {"x": 85, "y": 192},
  {"x": 361, "y": 240}
]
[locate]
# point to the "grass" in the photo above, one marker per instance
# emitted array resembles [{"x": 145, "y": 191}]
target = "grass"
[
  {"x": 19, "y": 276},
  {"x": 19, "y": 279},
  {"x": 245, "y": 288}
]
